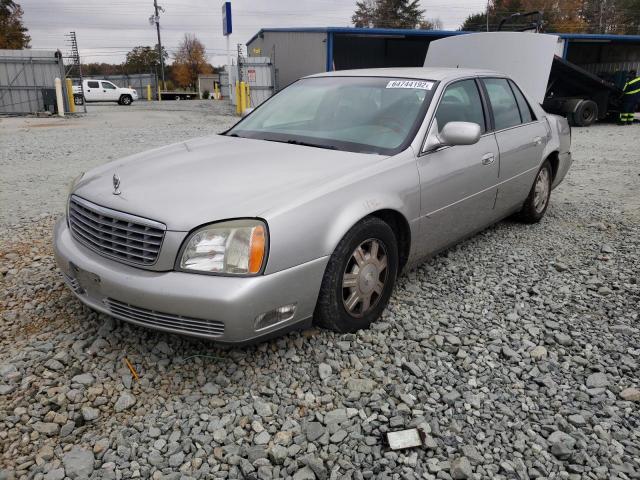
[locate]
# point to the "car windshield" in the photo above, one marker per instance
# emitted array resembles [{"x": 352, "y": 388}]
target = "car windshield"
[{"x": 355, "y": 114}]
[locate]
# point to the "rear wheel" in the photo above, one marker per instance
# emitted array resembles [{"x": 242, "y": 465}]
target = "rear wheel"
[
  {"x": 359, "y": 277},
  {"x": 78, "y": 100},
  {"x": 535, "y": 206},
  {"x": 585, "y": 114}
]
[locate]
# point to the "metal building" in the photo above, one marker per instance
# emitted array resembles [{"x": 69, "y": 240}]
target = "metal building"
[
  {"x": 27, "y": 79},
  {"x": 297, "y": 52}
]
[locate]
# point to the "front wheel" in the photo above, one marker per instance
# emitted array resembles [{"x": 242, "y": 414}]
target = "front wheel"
[
  {"x": 535, "y": 206},
  {"x": 125, "y": 100},
  {"x": 359, "y": 277}
]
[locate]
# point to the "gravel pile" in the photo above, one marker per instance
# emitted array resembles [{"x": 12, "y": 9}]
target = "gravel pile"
[{"x": 516, "y": 352}]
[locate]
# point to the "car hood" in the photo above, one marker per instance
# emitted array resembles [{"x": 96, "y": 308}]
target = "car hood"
[{"x": 218, "y": 177}]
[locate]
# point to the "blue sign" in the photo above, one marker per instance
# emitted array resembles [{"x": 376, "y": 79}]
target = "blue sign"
[{"x": 226, "y": 19}]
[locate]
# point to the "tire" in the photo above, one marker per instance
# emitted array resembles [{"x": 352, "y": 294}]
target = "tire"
[
  {"x": 536, "y": 204},
  {"x": 337, "y": 308},
  {"x": 125, "y": 100},
  {"x": 585, "y": 114},
  {"x": 78, "y": 100}
]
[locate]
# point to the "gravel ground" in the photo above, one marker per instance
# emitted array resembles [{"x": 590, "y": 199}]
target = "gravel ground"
[
  {"x": 516, "y": 352},
  {"x": 39, "y": 157}
]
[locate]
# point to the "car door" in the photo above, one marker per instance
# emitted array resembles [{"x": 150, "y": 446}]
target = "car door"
[
  {"x": 109, "y": 91},
  {"x": 457, "y": 184},
  {"x": 92, "y": 91},
  {"x": 521, "y": 140}
]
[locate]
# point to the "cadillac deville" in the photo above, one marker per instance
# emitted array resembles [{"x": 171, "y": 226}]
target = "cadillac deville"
[{"x": 309, "y": 208}]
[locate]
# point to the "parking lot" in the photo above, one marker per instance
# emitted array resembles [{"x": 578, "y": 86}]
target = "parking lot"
[{"x": 517, "y": 351}]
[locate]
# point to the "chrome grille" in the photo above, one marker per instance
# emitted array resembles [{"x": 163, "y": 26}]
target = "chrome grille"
[
  {"x": 115, "y": 234},
  {"x": 153, "y": 318}
]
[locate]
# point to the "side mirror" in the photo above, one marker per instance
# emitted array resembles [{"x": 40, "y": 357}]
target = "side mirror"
[
  {"x": 460, "y": 133},
  {"x": 247, "y": 111},
  {"x": 452, "y": 134}
]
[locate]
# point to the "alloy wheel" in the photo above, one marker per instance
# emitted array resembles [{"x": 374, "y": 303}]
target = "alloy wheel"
[
  {"x": 364, "y": 277},
  {"x": 541, "y": 192}
]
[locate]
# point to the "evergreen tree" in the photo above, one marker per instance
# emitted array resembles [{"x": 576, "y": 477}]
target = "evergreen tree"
[
  {"x": 13, "y": 34},
  {"x": 391, "y": 14}
]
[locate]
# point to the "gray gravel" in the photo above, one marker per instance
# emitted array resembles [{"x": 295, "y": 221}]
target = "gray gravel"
[
  {"x": 39, "y": 157},
  {"x": 516, "y": 352}
]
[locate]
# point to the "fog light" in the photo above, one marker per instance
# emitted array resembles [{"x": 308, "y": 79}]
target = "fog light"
[{"x": 273, "y": 317}]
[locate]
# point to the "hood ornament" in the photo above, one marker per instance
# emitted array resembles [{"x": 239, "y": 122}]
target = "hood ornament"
[{"x": 116, "y": 184}]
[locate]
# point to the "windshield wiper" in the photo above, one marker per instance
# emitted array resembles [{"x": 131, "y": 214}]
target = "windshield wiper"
[{"x": 307, "y": 144}]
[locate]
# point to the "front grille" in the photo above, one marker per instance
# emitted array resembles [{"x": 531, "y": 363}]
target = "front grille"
[
  {"x": 115, "y": 234},
  {"x": 152, "y": 318}
]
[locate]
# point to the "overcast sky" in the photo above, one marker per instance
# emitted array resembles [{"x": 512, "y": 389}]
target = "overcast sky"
[{"x": 108, "y": 29}]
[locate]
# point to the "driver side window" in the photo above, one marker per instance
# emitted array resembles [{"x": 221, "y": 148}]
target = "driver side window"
[
  {"x": 109, "y": 86},
  {"x": 461, "y": 102}
]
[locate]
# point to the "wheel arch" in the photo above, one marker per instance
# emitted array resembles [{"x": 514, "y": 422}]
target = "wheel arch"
[
  {"x": 554, "y": 160},
  {"x": 401, "y": 230}
]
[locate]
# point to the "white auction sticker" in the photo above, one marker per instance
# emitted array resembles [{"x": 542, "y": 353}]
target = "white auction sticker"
[{"x": 421, "y": 84}]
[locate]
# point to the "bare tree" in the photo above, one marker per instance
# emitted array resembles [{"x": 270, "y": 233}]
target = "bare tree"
[{"x": 190, "y": 61}]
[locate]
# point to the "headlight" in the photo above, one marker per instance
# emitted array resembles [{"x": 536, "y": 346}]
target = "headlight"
[{"x": 235, "y": 247}]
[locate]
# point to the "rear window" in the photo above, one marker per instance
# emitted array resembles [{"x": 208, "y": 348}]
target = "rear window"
[
  {"x": 93, "y": 85},
  {"x": 505, "y": 108},
  {"x": 525, "y": 110}
]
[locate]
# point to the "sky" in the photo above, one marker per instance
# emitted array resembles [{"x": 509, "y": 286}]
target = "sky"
[{"x": 107, "y": 29}]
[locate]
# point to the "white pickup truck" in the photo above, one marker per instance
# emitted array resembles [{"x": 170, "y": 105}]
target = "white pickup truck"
[{"x": 103, "y": 91}]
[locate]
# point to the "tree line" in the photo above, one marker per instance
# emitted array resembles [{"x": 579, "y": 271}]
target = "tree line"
[{"x": 568, "y": 16}]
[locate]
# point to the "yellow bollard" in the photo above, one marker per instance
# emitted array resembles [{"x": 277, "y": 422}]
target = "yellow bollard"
[
  {"x": 216, "y": 92},
  {"x": 148, "y": 93},
  {"x": 243, "y": 96},
  {"x": 238, "y": 99},
  {"x": 159, "y": 96},
  {"x": 248, "y": 97},
  {"x": 72, "y": 104}
]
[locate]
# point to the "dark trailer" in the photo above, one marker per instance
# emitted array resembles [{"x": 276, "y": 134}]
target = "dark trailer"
[{"x": 579, "y": 95}]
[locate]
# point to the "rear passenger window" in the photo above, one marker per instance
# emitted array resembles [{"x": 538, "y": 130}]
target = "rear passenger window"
[
  {"x": 93, "y": 85},
  {"x": 461, "y": 103},
  {"x": 503, "y": 104},
  {"x": 523, "y": 105}
]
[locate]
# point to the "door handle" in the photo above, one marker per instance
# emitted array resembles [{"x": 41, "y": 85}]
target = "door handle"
[
  {"x": 488, "y": 158},
  {"x": 537, "y": 140}
]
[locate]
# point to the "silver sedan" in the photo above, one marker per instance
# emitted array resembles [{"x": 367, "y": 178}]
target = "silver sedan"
[{"x": 308, "y": 208}]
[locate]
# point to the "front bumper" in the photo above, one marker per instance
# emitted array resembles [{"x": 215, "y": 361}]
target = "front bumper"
[{"x": 223, "y": 309}]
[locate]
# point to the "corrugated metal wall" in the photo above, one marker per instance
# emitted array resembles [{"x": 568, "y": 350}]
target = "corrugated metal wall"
[
  {"x": 294, "y": 54},
  {"x": 611, "y": 67},
  {"x": 23, "y": 75}
]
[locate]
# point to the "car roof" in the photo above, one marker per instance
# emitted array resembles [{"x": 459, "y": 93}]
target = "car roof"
[{"x": 420, "y": 73}]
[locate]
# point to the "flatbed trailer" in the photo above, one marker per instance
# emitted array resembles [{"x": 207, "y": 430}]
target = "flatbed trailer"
[
  {"x": 579, "y": 95},
  {"x": 177, "y": 95}
]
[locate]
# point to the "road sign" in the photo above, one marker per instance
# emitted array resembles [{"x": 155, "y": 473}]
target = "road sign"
[{"x": 226, "y": 19}]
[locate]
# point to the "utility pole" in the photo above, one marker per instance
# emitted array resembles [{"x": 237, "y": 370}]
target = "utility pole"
[
  {"x": 487, "y": 15},
  {"x": 157, "y": 22}
]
